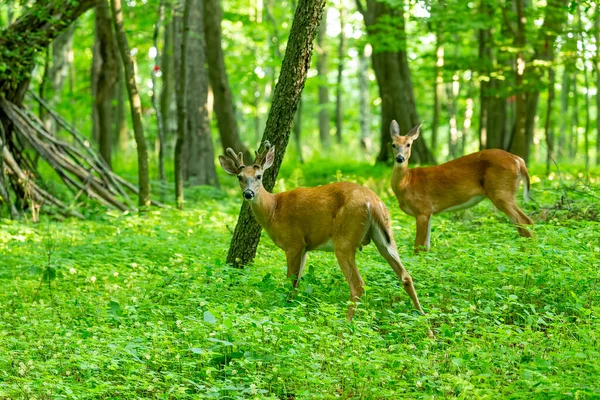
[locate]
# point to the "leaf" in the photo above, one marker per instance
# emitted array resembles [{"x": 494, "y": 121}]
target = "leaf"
[
  {"x": 197, "y": 350},
  {"x": 223, "y": 342},
  {"x": 115, "y": 308},
  {"x": 208, "y": 317}
]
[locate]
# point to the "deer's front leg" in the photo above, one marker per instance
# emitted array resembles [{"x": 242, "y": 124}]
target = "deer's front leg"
[
  {"x": 296, "y": 259},
  {"x": 422, "y": 241}
]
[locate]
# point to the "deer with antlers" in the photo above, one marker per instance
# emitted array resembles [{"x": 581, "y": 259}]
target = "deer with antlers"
[
  {"x": 339, "y": 216},
  {"x": 456, "y": 185}
]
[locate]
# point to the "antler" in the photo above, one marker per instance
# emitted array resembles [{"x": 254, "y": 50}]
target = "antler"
[
  {"x": 260, "y": 157},
  {"x": 238, "y": 159}
]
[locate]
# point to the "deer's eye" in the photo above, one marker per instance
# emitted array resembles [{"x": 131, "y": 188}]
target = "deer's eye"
[
  {"x": 408, "y": 145},
  {"x": 239, "y": 178},
  {"x": 258, "y": 177},
  {"x": 393, "y": 145}
]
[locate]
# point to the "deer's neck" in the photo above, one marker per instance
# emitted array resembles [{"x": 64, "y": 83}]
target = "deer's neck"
[
  {"x": 263, "y": 207},
  {"x": 400, "y": 177}
]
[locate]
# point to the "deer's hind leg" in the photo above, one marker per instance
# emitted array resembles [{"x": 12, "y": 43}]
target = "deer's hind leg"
[
  {"x": 350, "y": 229},
  {"x": 503, "y": 194}
]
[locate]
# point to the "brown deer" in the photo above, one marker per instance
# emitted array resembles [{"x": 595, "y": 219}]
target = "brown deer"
[
  {"x": 339, "y": 216},
  {"x": 456, "y": 185}
]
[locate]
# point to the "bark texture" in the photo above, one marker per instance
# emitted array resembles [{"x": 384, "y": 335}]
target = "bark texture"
[
  {"x": 322, "y": 71},
  {"x": 224, "y": 105},
  {"x": 296, "y": 63},
  {"x": 106, "y": 79},
  {"x": 390, "y": 64},
  {"x": 135, "y": 103},
  {"x": 198, "y": 152},
  {"x": 38, "y": 27}
]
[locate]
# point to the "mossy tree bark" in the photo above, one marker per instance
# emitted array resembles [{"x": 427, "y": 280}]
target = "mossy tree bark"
[
  {"x": 292, "y": 78},
  {"x": 134, "y": 102}
]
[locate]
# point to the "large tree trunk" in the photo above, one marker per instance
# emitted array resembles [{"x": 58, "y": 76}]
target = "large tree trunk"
[
  {"x": 107, "y": 76},
  {"x": 38, "y": 27},
  {"x": 298, "y": 131},
  {"x": 181, "y": 104},
  {"x": 340, "y": 76},
  {"x": 199, "y": 153},
  {"x": 322, "y": 71},
  {"x": 394, "y": 80},
  {"x": 223, "y": 104},
  {"x": 277, "y": 131},
  {"x": 135, "y": 104}
]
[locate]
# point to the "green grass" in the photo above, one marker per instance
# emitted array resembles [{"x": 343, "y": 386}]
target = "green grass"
[{"x": 143, "y": 306}]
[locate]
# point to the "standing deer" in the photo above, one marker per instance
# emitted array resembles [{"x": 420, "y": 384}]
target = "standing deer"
[
  {"x": 339, "y": 216},
  {"x": 456, "y": 185}
]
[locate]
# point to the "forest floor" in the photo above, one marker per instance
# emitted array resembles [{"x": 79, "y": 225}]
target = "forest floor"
[{"x": 143, "y": 306}]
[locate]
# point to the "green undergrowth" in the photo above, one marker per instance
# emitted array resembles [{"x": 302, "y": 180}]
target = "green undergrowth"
[{"x": 143, "y": 306}]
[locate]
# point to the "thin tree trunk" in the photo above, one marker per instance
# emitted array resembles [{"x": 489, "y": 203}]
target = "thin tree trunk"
[
  {"x": 597, "y": 33},
  {"x": 467, "y": 122},
  {"x": 285, "y": 101},
  {"x": 574, "y": 138},
  {"x": 134, "y": 103},
  {"x": 199, "y": 153},
  {"x": 520, "y": 143},
  {"x": 181, "y": 105},
  {"x": 548, "y": 124},
  {"x": 340, "y": 77},
  {"x": 121, "y": 131},
  {"x": 322, "y": 71},
  {"x": 224, "y": 105},
  {"x": 154, "y": 97},
  {"x": 452, "y": 89},
  {"x": 438, "y": 86},
  {"x": 364, "y": 102},
  {"x": 565, "y": 124},
  {"x": 106, "y": 79},
  {"x": 586, "y": 139},
  {"x": 486, "y": 62},
  {"x": 167, "y": 78}
]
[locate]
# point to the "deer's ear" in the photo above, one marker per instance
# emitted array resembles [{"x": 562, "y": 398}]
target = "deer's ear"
[
  {"x": 228, "y": 165},
  {"x": 394, "y": 129},
  {"x": 415, "y": 132},
  {"x": 269, "y": 158}
]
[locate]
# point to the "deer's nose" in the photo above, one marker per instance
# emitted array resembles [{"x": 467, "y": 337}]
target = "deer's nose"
[
  {"x": 400, "y": 159},
  {"x": 248, "y": 194}
]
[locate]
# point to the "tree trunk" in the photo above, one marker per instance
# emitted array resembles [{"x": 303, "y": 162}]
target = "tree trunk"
[
  {"x": 277, "y": 131},
  {"x": 199, "y": 154},
  {"x": 135, "y": 103},
  {"x": 340, "y": 77},
  {"x": 452, "y": 89},
  {"x": 167, "y": 79},
  {"x": 394, "y": 80},
  {"x": 34, "y": 29},
  {"x": 574, "y": 138},
  {"x": 586, "y": 129},
  {"x": 121, "y": 132},
  {"x": 565, "y": 88},
  {"x": 157, "y": 110},
  {"x": 181, "y": 104},
  {"x": 548, "y": 125},
  {"x": 223, "y": 99},
  {"x": 364, "y": 102},
  {"x": 438, "y": 86},
  {"x": 597, "y": 63},
  {"x": 106, "y": 79},
  {"x": 322, "y": 71},
  {"x": 520, "y": 143}
]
